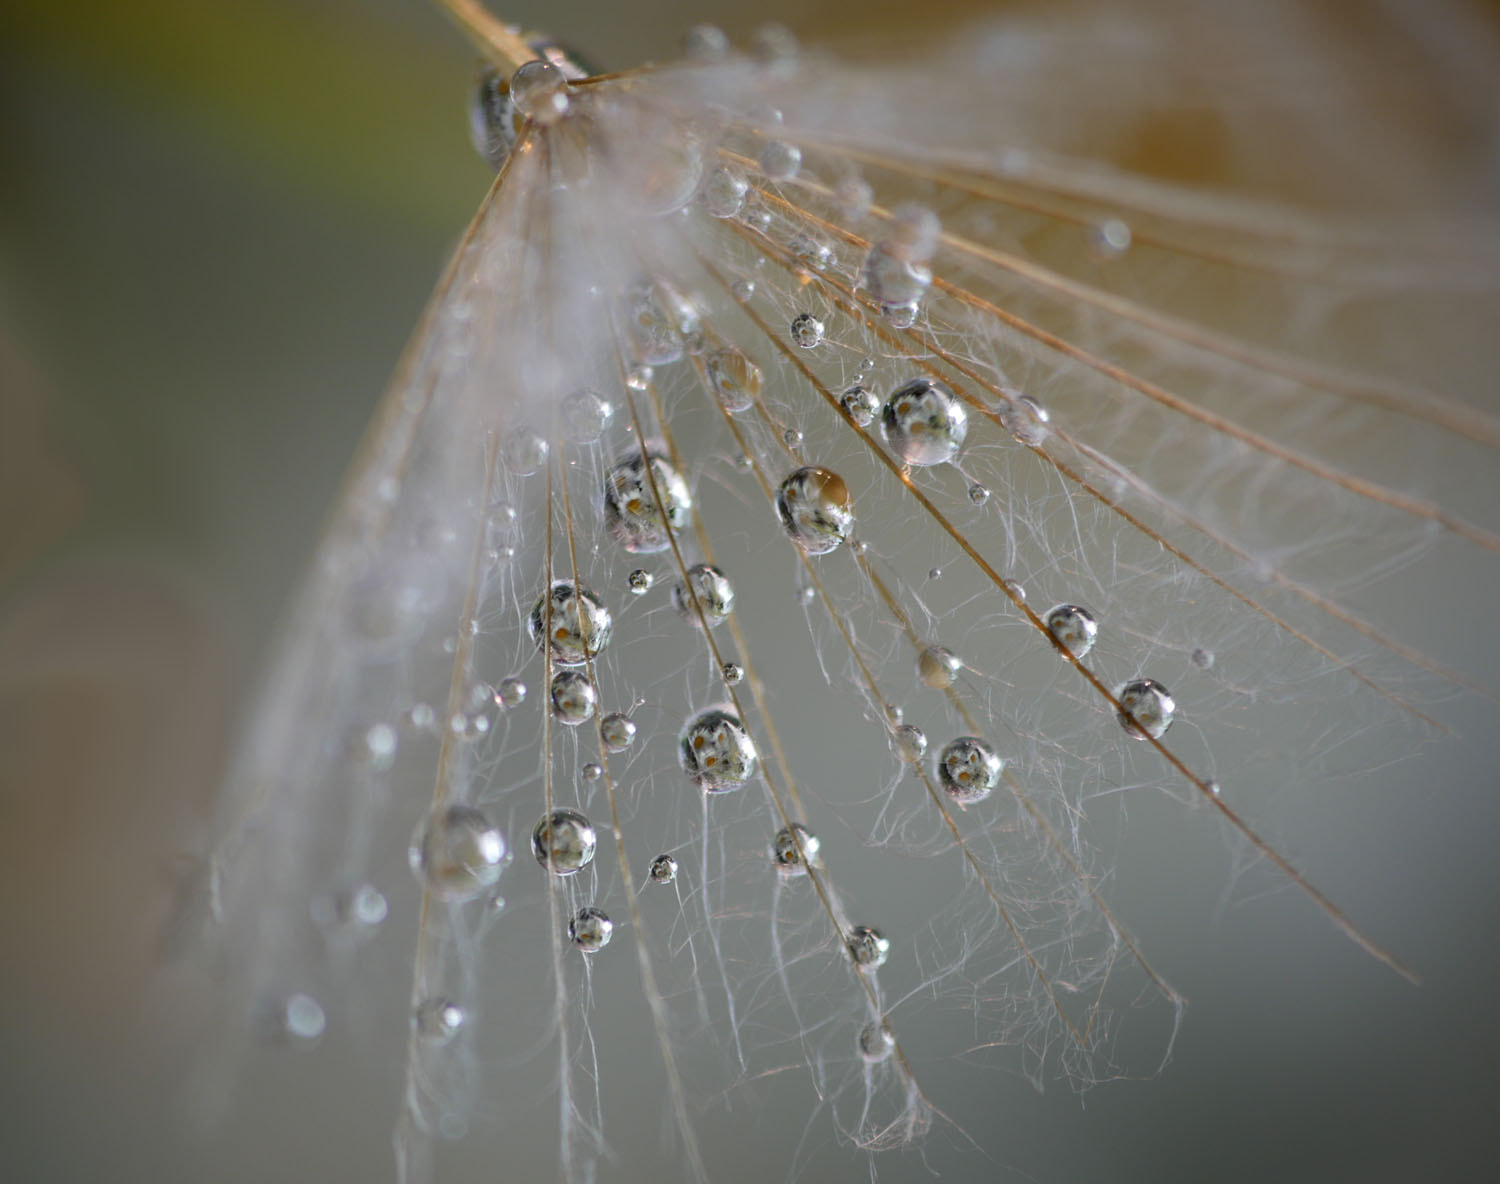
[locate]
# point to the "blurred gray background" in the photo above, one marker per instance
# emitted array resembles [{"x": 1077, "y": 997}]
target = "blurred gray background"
[{"x": 218, "y": 222}]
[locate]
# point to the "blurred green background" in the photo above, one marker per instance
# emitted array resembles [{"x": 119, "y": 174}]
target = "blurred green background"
[{"x": 218, "y": 222}]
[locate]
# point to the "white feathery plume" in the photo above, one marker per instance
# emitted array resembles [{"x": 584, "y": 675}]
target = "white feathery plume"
[{"x": 985, "y": 487}]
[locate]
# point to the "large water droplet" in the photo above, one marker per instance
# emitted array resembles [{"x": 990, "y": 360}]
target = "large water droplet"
[
  {"x": 717, "y": 752},
  {"x": 572, "y": 697},
  {"x": 525, "y": 452},
  {"x": 617, "y": 730},
  {"x": 868, "y": 947},
  {"x": 735, "y": 379},
  {"x": 806, "y": 330},
  {"x": 1072, "y": 627},
  {"x": 590, "y": 929},
  {"x": 780, "y": 160},
  {"x": 457, "y": 853},
  {"x": 579, "y": 627},
  {"x": 1026, "y": 420},
  {"x": 494, "y": 123},
  {"x": 586, "y": 416},
  {"x": 909, "y": 742},
  {"x": 816, "y": 509},
  {"x": 724, "y": 192},
  {"x": 969, "y": 769},
  {"x": 564, "y": 842},
  {"x": 861, "y": 405},
  {"x": 924, "y": 423},
  {"x": 938, "y": 666},
  {"x": 1146, "y": 709},
  {"x": 630, "y": 508},
  {"x": 793, "y": 849},
  {"x": 714, "y": 592}
]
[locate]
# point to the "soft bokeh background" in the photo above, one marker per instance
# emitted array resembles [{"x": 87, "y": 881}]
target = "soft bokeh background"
[{"x": 218, "y": 222}]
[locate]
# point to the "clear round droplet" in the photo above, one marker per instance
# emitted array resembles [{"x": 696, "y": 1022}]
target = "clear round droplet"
[
  {"x": 811, "y": 252},
  {"x": 437, "y": 1021},
  {"x": 1146, "y": 709},
  {"x": 938, "y": 666},
  {"x": 663, "y": 869},
  {"x": 1072, "y": 627},
  {"x": 715, "y": 594},
  {"x": 860, "y": 404},
  {"x": 724, "y": 192},
  {"x": 1111, "y": 238},
  {"x": 617, "y": 731},
  {"x": 779, "y": 161},
  {"x": 978, "y": 494},
  {"x": 586, "y": 416},
  {"x": 806, "y": 330},
  {"x": 733, "y": 673},
  {"x": 868, "y": 947},
  {"x": 969, "y": 769},
  {"x": 540, "y": 92},
  {"x": 579, "y": 626},
  {"x": 590, "y": 929},
  {"x": 1026, "y": 420},
  {"x": 875, "y": 1043},
  {"x": 816, "y": 508},
  {"x": 924, "y": 423},
  {"x": 793, "y": 849},
  {"x": 1203, "y": 659},
  {"x": 511, "y": 693},
  {"x": 655, "y": 332},
  {"x": 572, "y": 698},
  {"x": 909, "y": 743},
  {"x": 525, "y": 452},
  {"x": 564, "y": 842},
  {"x": 735, "y": 379},
  {"x": 377, "y": 747},
  {"x": 717, "y": 752},
  {"x": 854, "y": 196},
  {"x": 593, "y": 771},
  {"x": 631, "y": 511},
  {"x": 743, "y": 290},
  {"x": 774, "y": 44},
  {"x": 457, "y": 853},
  {"x": 640, "y": 581}
]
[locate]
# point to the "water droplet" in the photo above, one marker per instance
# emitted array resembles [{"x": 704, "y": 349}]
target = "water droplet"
[
  {"x": 875, "y": 1043},
  {"x": 593, "y": 771},
  {"x": 979, "y": 494},
  {"x": 580, "y": 624},
  {"x": 934, "y": 573},
  {"x": 457, "y": 853},
  {"x": 590, "y": 929},
  {"x": 806, "y": 330},
  {"x": 733, "y": 673},
  {"x": 564, "y": 842},
  {"x": 793, "y": 849},
  {"x": 359, "y": 910},
  {"x": 469, "y": 725},
  {"x": 705, "y": 43},
  {"x": 572, "y": 697},
  {"x": 663, "y": 869},
  {"x": 298, "y": 1019},
  {"x": 894, "y": 714},
  {"x": 724, "y": 192},
  {"x": 896, "y": 281},
  {"x": 1015, "y": 590},
  {"x": 816, "y": 508},
  {"x": 493, "y": 120},
  {"x": 811, "y": 251},
  {"x": 511, "y": 693},
  {"x": 969, "y": 769},
  {"x": 420, "y": 718},
  {"x": 743, "y": 290},
  {"x": 618, "y": 731},
  {"x": 1111, "y": 238},
  {"x": 639, "y": 378},
  {"x": 909, "y": 742},
  {"x": 525, "y": 452},
  {"x": 868, "y": 947},
  {"x": 1073, "y": 628},
  {"x": 853, "y": 195},
  {"x": 630, "y": 508},
  {"x": 714, "y": 592},
  {"x": 735, "y": 379},
  {"x": 924, "y": 423},
  {"x": 655, "y": 333},
  {"x": 774, "y": 44},
  {"x": 1146, "y": 709},
  {"x": 1026, "y": 420},
  {"x": 1203, "y": 659},
  {"x": 640, "y": 581},
  {"x": 540, "y": 92},
  {"x": 717, "y": 753},
  {"x": 378, "y": 747},
  {"x": 437, "y": 1021},
  {"x": 779, "y": 161},
  {"x": 860, "y": 404},
  {"x": 938, "y": 667},
  {"x": 586, "y": 416},
  {"x": 1214, "y": 788}
]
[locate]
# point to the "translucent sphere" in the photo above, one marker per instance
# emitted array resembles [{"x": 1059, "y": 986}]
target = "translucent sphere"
[
  {"x": 564, "y": 842},
  {"x": 437, "y": 1020},
  {"x": 793, "y": 849},
  {"x": 875, "y": 1043},
  {"x": 1026, "y": 420},
  {"x": 617, "y": 730},
  {"x": 663, "y": 869},
  {"x": 938, "y": 667},
  {"x": 586, "y": 416},
  {"x": 861, "y": 405},
  {"x": 1072, "y": 627},
  {"x": 640, "y": 581},
  {"x": 714, "y": 592},
  {"x": 457, "y": 853},
  {"x": 572, "y": 697},
  {"x": 1146, "y": 709},
  {"x": 735, "y": 379},
  {"x": 717, "y": 752},
  {"x": 806, "y": 330},
  {"x": 590, "y": 929},
  {"x": 631, "y": 511},
  {"x": 780, "y": 160},
  {"x": 924, "y": 423},
  {"x": 816, "y": 509},
  {"x": 540, "y": 92},
  {"x": 868, "y": 947},
  {"x": 969, "y": 769},
  {"x": 579, "y": 627}
]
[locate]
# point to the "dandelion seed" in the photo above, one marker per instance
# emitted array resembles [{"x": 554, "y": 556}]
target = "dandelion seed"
[{"x": 690, "y": 295}]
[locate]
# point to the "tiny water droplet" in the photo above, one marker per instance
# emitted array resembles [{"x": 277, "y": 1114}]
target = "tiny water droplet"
[
  {"x": 593, "y": 771},
  {"x": 457, "y": 853},
  {"x": 717, "y": 752},
  {"x": 806, "y": 330},
  {"x": 1111, "y": 238},
  {"x": 437, "y": 1021},
  {"x": 540, "y": 92},
  {"x": 816, "y": 508},
  {"x": 779, "y": 161},
  {"x": 715, "y": 594},
  {"x": 631, "y": 511},
  {"x": 938, "y": 666},
  {"x": 511, "y": 693},
  {"x": 705, "y": 43},
  {"x": 979, "y": 494},
  {"x": 875, "y": 1043},
  {"x": 572, "y": 698},
  {"x": 639, "y": 377},
  {"x": 586, "y": 416},
  {"x": 793, "y": 849},
  {"x": 1146, "y": 709},
  {"x": 525, "y": 452},
  {"x": 969, "y": 769},
  {"x": 1026, "y": 420},
  {"x": 735, "y": 379},
  {"x": 909, "y": 743},
  {"x": 1072, "y": 627},
  {"x": 590, "y": 929},
  {"x": 854, "y": 196},
  {"x": 924, "y": 423},
  {"x": 733, "y": 673},
  {"x": 1203, "y": 659},
  {"x": 868, "y": 947},
  {"x": 564, "y": 842},
  {"x": 580, "y": 624},
  {"x": 378, "y": 747},
  {"x": 860, "y": 404},
  {"x": 617, "y": 731},
  {"x": 663, "y": 869},
  {"x": 640, "y": 581}
]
